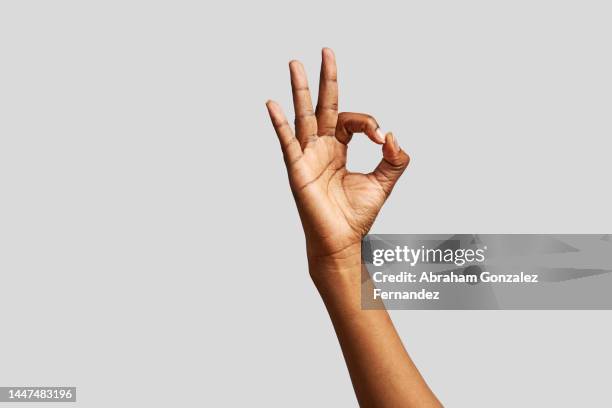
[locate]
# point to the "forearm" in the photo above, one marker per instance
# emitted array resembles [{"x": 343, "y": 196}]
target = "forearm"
[{"x": 382, "y": 373}]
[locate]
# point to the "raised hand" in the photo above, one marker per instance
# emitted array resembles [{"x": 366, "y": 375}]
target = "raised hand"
[{"x": 337, "y": 207}]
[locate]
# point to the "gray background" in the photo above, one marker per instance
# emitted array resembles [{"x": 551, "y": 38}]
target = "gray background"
[{"x": 150, "y": 252}]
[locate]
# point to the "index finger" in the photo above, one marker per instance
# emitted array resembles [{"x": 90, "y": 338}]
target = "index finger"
[{"x": 350, "y": 122}]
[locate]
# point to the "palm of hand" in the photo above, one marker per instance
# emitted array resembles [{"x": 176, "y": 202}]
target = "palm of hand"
[{"x": 336, "y": 206}]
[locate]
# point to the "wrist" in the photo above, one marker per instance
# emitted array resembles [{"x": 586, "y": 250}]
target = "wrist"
[
  {"x": 344, "y": 259},
  {"x": 338, "y": 275}
]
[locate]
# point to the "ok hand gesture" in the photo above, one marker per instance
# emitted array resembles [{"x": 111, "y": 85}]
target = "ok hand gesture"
[{"x": 337, "y": 207}]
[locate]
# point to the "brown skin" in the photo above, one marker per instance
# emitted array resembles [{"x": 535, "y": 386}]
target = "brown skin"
[{"x": 337, "y": 209}]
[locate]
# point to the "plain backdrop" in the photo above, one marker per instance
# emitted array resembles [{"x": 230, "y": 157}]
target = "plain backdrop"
[{"x": 150, "y": 250}]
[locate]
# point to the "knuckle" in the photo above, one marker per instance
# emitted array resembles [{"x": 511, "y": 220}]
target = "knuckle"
[
  {"x": 332, "y": 106},
  {"x": 308, "y": 113},
  {"x": 287, "y": 143},
  {"x": 406, "y": 160},
  {"x": 326, "y": 130},
  {"x": 280, "y": 125},
  {"x": 370, "y": 121}
]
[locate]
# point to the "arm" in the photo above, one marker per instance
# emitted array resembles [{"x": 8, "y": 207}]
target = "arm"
[
  {"x": 382, "y": 373},
  {"x": 337, "y": 209}
]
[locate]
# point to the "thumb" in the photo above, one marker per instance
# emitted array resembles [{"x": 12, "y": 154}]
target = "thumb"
[{"x": 392, "y": 165}]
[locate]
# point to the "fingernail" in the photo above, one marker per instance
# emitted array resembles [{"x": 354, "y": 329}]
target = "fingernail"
[
  {"x": 395, "y": 143},
  {"x": 380, "y": 135}
]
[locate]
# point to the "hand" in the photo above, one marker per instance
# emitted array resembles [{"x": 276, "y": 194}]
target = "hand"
[{"x": 337, "y": 207}]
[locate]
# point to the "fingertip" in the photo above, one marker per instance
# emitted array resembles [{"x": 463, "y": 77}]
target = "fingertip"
[
  {"x": 274, "y": 109},
  {"x": 403, "y": 157},
  {"x": 297, "y": 74},
  {"x": 380, "y": 136},
  {"x": 327, "y": 52},
  {"x": 387, "y": 147},
  {"x": 294, "y": 69},
  {"x": 295, "y": 64},
  {"x": 392, "y": 151},
  {"x": 394, "y": 142},
  {"x": 270, "y": 104},
  {"x": 389, "y": 139}
]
